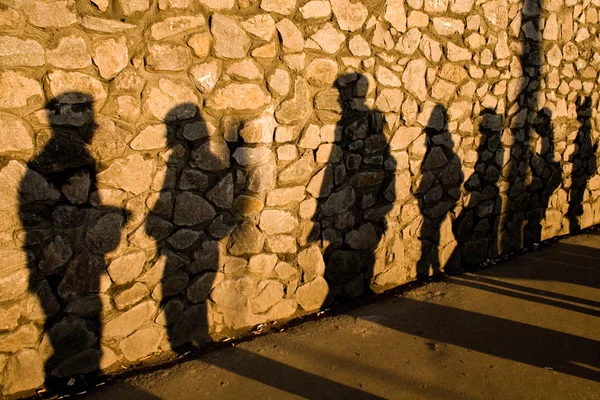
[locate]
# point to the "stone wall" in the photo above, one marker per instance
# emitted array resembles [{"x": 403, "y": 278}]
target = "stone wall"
[{"x": 177, "y": 171}]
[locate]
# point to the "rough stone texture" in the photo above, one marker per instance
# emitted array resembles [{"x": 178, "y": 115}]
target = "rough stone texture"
[
  {"x": 243, "y": 162},
  {"x": 15, "y": 52},
  {"x": 238, "y": 97},
  {"x": 230, "y": 39}
]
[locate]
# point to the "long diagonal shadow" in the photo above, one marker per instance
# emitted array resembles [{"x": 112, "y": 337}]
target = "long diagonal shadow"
[{"x": 517, "y": 341}]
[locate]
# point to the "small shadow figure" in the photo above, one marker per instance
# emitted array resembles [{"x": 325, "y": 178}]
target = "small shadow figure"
[
  {"x": 357, "y": 191},
  {"x": 476, "y": 228},
  {"x": 547, "y": 177},
  {"x": 186, "y": 222},
  {"x": 584, "y": 163},
  {"x": 438, "y": 192},
  {"x": 64, "y": 265}
]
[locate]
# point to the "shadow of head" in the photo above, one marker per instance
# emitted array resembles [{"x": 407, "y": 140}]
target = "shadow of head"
[
  {"x": 184, "y": 120},
  {"x": 353, "y": 89},
  {"x": 72, "y": 109}
]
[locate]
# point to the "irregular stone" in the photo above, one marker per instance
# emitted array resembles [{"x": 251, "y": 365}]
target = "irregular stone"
[
  {"x": 77, "y": 188},
  {"x": 132, "y": 174},
  {"x": 200, "y": 44},
  {"x": 432, "y": 50},
  {"x": 86, "y": 272},
  {"x": 259, "y": 130},
  {"x": 171, "y": 100},
  {"x": 350, "y": 16},
  {"x": 386, "y": 77},
  {"x": 222, "y": 193},
  {"x": 316, "y": 9},
  {"x": 141, "y": 343},
  {"x": 111, "y": 56},
  {"x": 283, "y": 7},
  {"x": 24, "y": 336},
  {"x": 363, "y": 238},
  {"x": 246, "y": 156},
  {"x": 75, "y": 87},
  {"x": 296, "y": 108},
  {"x": 71, "y": 53},
  {"x": 191, "y": 209},
  {"x": 299, "y": 171},
  {"x": 395, "y": 14},
  {"x": 448, "y": 26},
  {"x": 281, "y": 244},
  {"x": 205, "y": 76},
  {"x": 183, "y": 238},
  {"x": 413, "y": 78},
  {"x": 129, "y": 321},
  {"x": 389, "y": 100},
  {"x": 218, "y": 4},
  {"x": 109, "y": 140},
  {"x": 312, "y": 295},
  {"x": 17, "y": 91},
  {"x": 105, "y": 25},
  {"x": 238, "y": 97},
  {"x": 279, "y": 82},
  {"x": 409, "y": 42},
  {"x": 127, "y": 267},
  {"x": 199, "y": 289},
  {"x": 9, "y": 18},
  {"x": 130, "y": 7},
  {"x": 461, "y": 6},
  {"x": 167, "y": 57},
  {"x": 16, "y": 52},
  {"x": 212, "y": 155},
  {"x": 263, "y": 177},
  {"x": 285, "y": 196},
  {"x": 311, "y": 262},
  {"x": 262, "y": 265},
  {"x": 456, "y": 53},
  {"x": 404, "y": 136},
  {"x": 291, "y": 38},
  {"x": 321, "y": 72},
  {"x": 269, "y": 293},
  {"x": 245, "y": 69},
  {"x": 247, "y": 239},
  {"x": 262, "y": 26},
  {"x": 274, "y": 222},
  {"x": 339, "y": 201},
  {"x": 170, "y": 285},
  {"x": 14, "y": 135},
  {"x": 231, "y": 41},
  {"x": 131, "y": 296},
  {"x": 496, "y": 12},
  {"x": 151, "y": 137},
  {"x": 24, "y": 371},
  {"x": 436, "y": 6},
  {"x": 267, "y": 51},
  {"x": 359, "y": 47},
  {"x": 104, "y": 236},
  {"x": 55, "y": 14},
  {"x": 328, "y": 39}
]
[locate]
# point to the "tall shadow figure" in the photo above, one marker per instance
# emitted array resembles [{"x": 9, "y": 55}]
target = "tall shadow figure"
[
  {"x": 476, "y": 228},
  {"x": 55, "y": 232},
  {"x": 185, "y": 226},
  {"x": 547, "y": 177},
  {"x": 584, "y": 163},
  {"x": 357, "y": 192},
  {"x": 438, "y": 192}
]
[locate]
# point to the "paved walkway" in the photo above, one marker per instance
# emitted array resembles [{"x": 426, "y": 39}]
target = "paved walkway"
[{"x": 526, "y": 329}]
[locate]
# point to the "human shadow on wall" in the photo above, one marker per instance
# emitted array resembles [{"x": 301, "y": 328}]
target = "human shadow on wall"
[
  {"x": 476, "y": 227},
  {"x": 188, "y": 253},
  {"x": 438, "y": 193},
  {"x": 357, "y": 192},
  {"x": 584, "y": 163},
  {"x": 60, "y": 226},
  {"x": 185, "y": 226},
  {"x": 546, "y": 178}
]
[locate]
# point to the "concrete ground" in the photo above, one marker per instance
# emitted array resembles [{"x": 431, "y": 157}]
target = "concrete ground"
[{"x": 528, "y": 328}]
